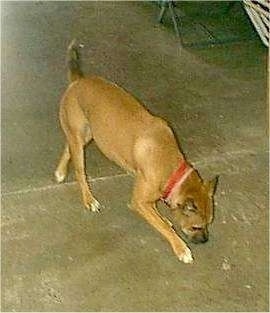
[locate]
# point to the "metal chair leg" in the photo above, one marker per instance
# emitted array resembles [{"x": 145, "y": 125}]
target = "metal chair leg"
[
  {"x": 162, "y": 12},
  {"x": 169, "y": 4},
  {"x": 174, "y": 18}
]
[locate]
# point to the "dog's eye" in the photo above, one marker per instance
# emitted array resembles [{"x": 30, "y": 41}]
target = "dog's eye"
[
  {"x": 190, "y": 205},
  {"x": 196, "y": 228},
  {"x": 189, "y": 208}
]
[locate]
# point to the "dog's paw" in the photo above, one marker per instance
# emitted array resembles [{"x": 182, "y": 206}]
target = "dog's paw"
[
  {"x": 95, "y": 206},
  {"x": 91, "y": 203},
  {"x": 59, "y": 176},
  {"x": 182, "y": 251},
  {"x": 186, "y": 256}
]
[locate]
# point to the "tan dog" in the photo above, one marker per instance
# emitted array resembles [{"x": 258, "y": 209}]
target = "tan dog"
[{"x": 95, "y": 109}]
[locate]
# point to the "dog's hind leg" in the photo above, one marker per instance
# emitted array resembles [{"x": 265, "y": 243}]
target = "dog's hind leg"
[
  {"x": 76, "y": 145},
  {"x": 78, "y": 134},
  {"x": 61, "y": 170}
]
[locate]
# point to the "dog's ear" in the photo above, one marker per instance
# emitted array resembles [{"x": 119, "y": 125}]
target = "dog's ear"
[{"x": 212, "y": 185}]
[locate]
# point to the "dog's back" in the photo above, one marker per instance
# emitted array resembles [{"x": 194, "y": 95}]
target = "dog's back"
[{"x": 117, "y": 120}]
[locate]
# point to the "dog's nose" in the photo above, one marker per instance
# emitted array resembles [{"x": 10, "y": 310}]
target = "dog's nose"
[
  {"x": 201, "y": 238},
  {"x": 204, "y": 238}
]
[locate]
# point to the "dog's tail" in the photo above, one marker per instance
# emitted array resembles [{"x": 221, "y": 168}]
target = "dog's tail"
[{"x": 73, "y": 61}]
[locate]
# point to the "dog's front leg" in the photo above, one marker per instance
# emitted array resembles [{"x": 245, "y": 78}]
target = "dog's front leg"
[{"x": 144, "y": 204}]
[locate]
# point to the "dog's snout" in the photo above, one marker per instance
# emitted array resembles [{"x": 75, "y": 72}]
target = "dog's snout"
[
  {"x": 200, "y": 238},
  {"x": 204, "y": 238}
]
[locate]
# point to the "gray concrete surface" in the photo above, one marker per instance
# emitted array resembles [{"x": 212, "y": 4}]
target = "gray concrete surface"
[{"x": 57, "y": 257}]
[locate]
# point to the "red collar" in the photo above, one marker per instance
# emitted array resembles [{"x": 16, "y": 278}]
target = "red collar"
[{"x": 176, "y": 180}]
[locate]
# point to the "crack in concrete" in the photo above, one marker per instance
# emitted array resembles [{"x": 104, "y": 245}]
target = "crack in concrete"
[
  {"x": 226, "y": 156},
  {"x": 55, "y": 186}
]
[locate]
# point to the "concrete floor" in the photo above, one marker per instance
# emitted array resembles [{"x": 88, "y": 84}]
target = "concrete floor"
[{"x": 57, "y": 257}]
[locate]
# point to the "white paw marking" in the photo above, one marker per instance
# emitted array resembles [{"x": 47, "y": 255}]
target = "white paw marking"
[
  {"x": 59, "y": 177},
  {"x": 186, "y": 257},
  {"x": 95, "y": 206}
]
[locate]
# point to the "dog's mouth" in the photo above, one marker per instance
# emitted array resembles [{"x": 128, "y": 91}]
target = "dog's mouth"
[
  {"x": 201, "y": 238},
  {"x": 196, "y": 237}
]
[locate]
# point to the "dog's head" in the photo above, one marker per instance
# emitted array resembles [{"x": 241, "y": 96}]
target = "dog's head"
[{"x": 193, "y": 207}]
